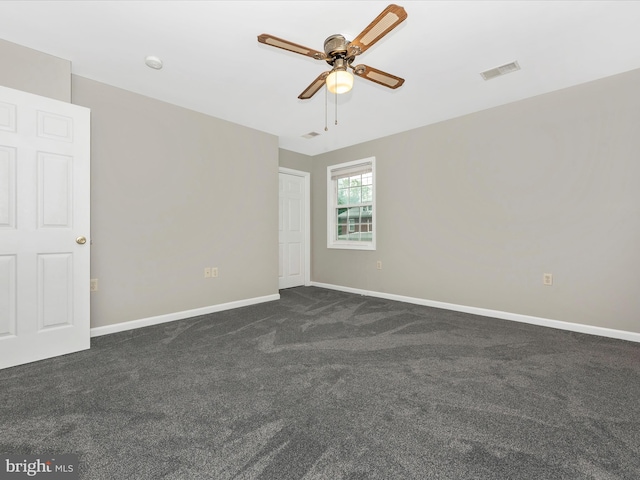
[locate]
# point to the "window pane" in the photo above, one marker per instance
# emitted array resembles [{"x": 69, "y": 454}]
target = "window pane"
[
  {"x": 367, "y": 194},
  {"x": 352, "y": 236},
  {"x": 356, "y": 180},
  {"x": 364, "y": 235},
  {"x": 367, "y": 179},
  {"x": 343, "y": 182},
  {"x": 343, "y": 196},
  {"x": 355, "y": 195}
]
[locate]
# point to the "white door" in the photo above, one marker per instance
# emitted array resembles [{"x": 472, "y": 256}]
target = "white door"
[
  {"x": 292, "y": 231},
  {"x": 44, "y": 217}
]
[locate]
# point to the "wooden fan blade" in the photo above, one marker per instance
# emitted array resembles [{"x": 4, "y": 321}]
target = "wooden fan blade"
[
  {"x": 316, "y": 85},
  {"x": 292, "y": 47},
  {"x": 378, "y": 76},
  {"x": 390, "y": 18}
]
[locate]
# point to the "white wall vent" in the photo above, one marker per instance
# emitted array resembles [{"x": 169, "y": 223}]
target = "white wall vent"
[
  {"x": 310, "y": 135},
  {"x": 502, "y": 70}
]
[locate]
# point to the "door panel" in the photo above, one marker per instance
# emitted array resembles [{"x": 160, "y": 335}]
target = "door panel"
[
  {"x": 55, "y": 127},
  {"x": 7, "y": 116},
  {"x": 8, "y": 283},
  {"x": 54, "y": 190},
  {"x": 44, "y": 207},
  {"x": 55, "y": 290},
  {"x": 7, "y": 187},
  {"x": 295, "y": 260}
]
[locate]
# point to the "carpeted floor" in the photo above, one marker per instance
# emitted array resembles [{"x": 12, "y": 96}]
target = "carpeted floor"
[{"x": 331, "y": 385}]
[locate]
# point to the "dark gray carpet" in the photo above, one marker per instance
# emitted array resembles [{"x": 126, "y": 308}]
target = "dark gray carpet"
[{"x": 330, "y": 385}]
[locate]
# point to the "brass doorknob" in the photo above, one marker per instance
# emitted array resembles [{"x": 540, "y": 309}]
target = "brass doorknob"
[{"x": 81, "y": 240}]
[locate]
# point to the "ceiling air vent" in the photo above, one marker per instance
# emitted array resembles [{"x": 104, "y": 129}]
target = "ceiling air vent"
[
  {"x": 499, "y": 71},
  {"x": 310, "y": 135}
]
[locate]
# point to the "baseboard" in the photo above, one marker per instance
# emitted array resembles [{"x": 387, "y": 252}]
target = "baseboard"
[
  {"x": 516, "y": 317},
  {"x": 170, "y": 317}
]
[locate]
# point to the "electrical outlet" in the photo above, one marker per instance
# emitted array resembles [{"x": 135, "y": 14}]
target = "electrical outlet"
[
  {"x": 94, "y": 285},
  {"x": 214, "y": 272},
  {"x": 547, "y": 279},
  {"x": 207, "y": 272},
  {"x": 379, "y": 264}
]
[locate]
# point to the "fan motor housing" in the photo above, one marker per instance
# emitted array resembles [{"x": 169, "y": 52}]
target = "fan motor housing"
[{"x": 336, "y": 46}]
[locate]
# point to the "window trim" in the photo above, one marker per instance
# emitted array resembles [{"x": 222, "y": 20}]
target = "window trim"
[{"x": 332, "y": 198}]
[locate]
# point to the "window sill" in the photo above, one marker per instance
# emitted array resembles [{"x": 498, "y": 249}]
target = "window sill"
[{"x": 352, "y": 246}]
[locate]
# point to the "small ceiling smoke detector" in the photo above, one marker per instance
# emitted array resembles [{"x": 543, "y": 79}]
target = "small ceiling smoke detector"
[
  {"x": 499, "y": 71},
  {"x": 153, "y": 62},
  {"x": 310, "y": 135}
]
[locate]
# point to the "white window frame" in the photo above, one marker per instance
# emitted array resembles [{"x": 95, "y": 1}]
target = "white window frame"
[{"x": 332, "y": 205}]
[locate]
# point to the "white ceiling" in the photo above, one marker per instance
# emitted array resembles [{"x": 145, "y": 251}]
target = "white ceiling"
[{"x": 214, "y": 64}]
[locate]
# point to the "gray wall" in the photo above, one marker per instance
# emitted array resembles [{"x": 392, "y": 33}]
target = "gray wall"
[
  {"x": 294, "y": 160},
  {"x": 175, "y": 191},
  {"x": 474, "y": 210},
  {"x": 35, "y": 72}
]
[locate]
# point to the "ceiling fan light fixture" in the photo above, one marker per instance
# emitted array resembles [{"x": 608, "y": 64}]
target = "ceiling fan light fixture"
[
  {"x": 339, "y": 81},
  {"x": 340, "y": 53}
]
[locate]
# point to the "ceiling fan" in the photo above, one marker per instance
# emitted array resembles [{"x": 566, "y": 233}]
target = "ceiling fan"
[{"x": 340, "y": 54}]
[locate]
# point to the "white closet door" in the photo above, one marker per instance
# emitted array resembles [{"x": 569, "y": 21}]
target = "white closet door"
[{"x": 292, "y": 231}]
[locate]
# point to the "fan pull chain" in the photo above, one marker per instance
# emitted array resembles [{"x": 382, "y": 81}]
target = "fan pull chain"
[
  {"x": 336, "y": 95},
  {"x": 326, "y": 129}
]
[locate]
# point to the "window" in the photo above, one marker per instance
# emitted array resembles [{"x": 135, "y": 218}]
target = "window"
[{"x": 351, "y": 205}]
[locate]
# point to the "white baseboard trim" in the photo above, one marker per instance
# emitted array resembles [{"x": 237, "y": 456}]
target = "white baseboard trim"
[
  {"x": 516, "y": 317},
  {"x": 170, "y": 317}
]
